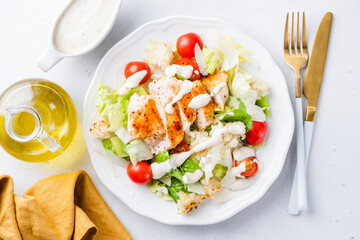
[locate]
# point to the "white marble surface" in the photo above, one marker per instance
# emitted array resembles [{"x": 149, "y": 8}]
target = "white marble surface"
[{"x": 334, "y": 196}]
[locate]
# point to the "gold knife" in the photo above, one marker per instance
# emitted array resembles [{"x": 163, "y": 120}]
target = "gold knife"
[
  {"x": 314, "y": 76},
  {"x": 312, "y": 85}
]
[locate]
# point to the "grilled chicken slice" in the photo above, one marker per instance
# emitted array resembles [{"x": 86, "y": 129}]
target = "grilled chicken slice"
[
  {"x": 211, "y": 83},
  {"x": 170, "y": 87},
  {"x": 144, "y": 121},
  {"x": 204, "y": 115},
  {"x": 173, "y": 126}
]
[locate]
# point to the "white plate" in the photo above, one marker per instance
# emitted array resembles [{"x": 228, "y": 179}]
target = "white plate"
[{"x": 280, "y": 124}]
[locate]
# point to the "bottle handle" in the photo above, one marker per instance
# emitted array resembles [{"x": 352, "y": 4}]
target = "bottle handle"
[
  {"x": 49, "y": 59},
  {"x": 38, "y": 134}
]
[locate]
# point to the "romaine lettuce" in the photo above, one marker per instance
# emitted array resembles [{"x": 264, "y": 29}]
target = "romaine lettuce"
[
  {"x": 262, "y": 102},
  {"x": 153, "y": 187},
  {"x": 190, "y": 166},
  {"x": 238, "y": 114},
  {"x": 211, "y": 60},
  {"x": 138, "y": 150},
  {"x": 105, "y": 98},
  {"x": 162, "y": 157},
  {"x": 115, "y": 145},
  {"x": 219, "y": 170}
]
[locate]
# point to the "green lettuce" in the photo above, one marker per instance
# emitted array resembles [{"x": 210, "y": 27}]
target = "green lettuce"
[
  {"x": 211, "y": 60},
  {"x": 105, "y": 98},
  {"x": 262, "y": 102},
  {"x": 162, "y": 157},
  {"x": 176, "y": 186},
  {"x": 219, "y": 170},
  {"x": 190, "y": 166},
  {"x": 153, "y": 186},
  {"x": 239, "y": 114},
  {"x": 138, "y": 150},
  {"x": 115, "y": 145}
]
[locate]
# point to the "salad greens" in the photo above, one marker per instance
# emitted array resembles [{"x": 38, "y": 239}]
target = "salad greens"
[
  {"x": 220, "y": 170},
  {"x": 115, "y": 145},
  {"x": 211, "y": 60},
  {"x": 162, "y": 157},
  {"x": 262, "y": 102},
  {"x": 238, "y": 114},
  {"x": 190, "y": 166},
  {"x": 138, "y": 150}
]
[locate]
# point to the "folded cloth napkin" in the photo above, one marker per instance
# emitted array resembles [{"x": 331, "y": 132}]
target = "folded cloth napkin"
[{"x": 60, "y": 207}]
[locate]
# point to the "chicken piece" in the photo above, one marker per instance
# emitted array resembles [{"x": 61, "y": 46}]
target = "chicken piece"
[
  {"x": 160, "y": 56},
  {"x": 170, "y": 87},
  {"x": 100, "y": 128},
  {"x": 173, "y": 126},
  {"x": 204, "y": 115},
  {"x": 144, "y": 121},
  {"x": 218, "y": 82},
  {"x": 212, "y": 187},
  {"x": 188, "y": 202}
]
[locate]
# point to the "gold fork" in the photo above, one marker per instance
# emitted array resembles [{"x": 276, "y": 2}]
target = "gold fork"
[{"x": 297, "y": 59}]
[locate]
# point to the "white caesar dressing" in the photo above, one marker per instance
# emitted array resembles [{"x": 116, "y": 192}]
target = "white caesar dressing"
[
  {"x": 216, "y": 138},
  {"x": 207, "y": 164},
  {"x": 218, "y": 87},
  {"x": 83, "y": 24},
  {"x": 192, "y": 177},
  {"x": 199, "y": 101},
  {"x": 132, "y": 82},
  {"x": 183, "y": 71},
  {"x": 241, "y": 153},
  {"x": 186, "y": 87}
]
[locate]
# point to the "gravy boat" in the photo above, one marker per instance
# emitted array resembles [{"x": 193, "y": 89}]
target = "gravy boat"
[{"x": 53, "y": 55}]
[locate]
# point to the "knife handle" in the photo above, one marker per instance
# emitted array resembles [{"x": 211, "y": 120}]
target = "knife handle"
[
  {"x": 293, "y": 207},
  {"x": 300, "y": 154}
]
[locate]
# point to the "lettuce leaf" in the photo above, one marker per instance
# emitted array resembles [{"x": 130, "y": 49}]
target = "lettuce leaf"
[
  {"x": 153, "y": 186},
  {"x": 262, "y": 102},
  {"x": 190, "y": 166},
  {"x": 239, "y": 114},
  {"x": 105, "y": 98},
  {"x": 162, "y": 157},
  {"x": 211, "y": 60},
  {"x": 220, "y": 170},
  {"x": 138, "y": 150},
  {"x": 115, "y": 145}
]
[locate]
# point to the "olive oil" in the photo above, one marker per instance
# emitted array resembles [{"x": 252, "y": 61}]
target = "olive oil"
[{"x": 56, "y": 113}]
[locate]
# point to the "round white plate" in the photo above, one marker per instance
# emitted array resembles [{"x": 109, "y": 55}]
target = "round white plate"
[{"x": 280, "y": 124}]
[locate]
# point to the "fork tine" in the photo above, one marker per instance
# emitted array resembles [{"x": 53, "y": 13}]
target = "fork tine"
[
  {"x": 292, "y": 36},
  {"x": 298, "y": 36},
  {"x": 286, "y": 35},
  {"x": 304, "y": 40}
]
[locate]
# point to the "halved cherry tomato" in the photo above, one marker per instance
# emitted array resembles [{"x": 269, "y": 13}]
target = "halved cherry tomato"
[
  {"x": 251, "y": 166},
  {"x": 257, "y": 133},
  {"x": 188, "y": 61},
  {"x": 185, "y": 44},
  {"x": 134, "y": 67},
  {"x": 181, "y": 147},
  {"x": 140, "y": 172}
]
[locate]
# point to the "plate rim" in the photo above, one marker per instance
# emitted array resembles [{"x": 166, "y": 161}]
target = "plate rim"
[{"x": 262, "y": 190}]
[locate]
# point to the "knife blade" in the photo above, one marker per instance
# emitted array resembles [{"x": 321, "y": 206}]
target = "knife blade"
[{"x": 315, "y": 69}]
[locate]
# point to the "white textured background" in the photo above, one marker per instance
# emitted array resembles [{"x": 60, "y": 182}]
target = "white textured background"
[{"x": 333, "y": 170}]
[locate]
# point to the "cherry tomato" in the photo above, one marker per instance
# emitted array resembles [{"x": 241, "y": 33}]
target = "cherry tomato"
[
  {"x": 140, "y": 172},
  {"x": 251, "y": 166},
  {"x": 134, "y": 67},
  {"x": 181, "y": 147},
  {"x": 257, "y": 133},
  {"x": 188, "y": 61},
  {"x": 185, "y": 44}
]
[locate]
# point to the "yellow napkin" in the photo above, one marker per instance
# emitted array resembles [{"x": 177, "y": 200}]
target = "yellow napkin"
[{"x": 60, "y": 207}]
